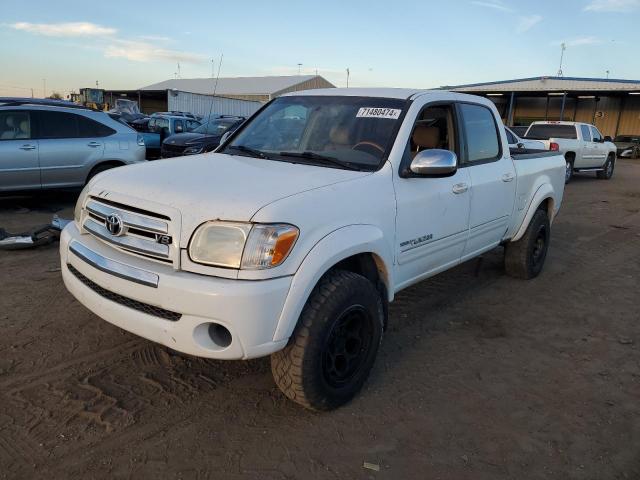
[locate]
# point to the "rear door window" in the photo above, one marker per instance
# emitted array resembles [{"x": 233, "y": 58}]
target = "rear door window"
[
  {"x": 57, "y": 125},
  {"x": 586, "y": 134},
  {"x": 481, "y": 133},
  {"x": 15, "y": 125}
]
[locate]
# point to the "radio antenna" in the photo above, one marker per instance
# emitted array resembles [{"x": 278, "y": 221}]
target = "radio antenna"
[{"x": 213, "y": 97}]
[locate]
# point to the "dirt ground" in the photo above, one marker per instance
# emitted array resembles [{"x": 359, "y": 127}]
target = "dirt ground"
[{"x": 480, "y": 376}]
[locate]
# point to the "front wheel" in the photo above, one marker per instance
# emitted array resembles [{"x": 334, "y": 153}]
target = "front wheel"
[
  {"x": 334, "y": 345},
  {"x": 525, "y": 258},
  {"x": 607, "y": 171}
]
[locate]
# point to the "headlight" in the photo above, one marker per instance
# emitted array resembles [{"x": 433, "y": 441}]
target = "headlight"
[
  {"x": 77, "y": 212},
  {"x": 193, "y": 150},
  {"x": 242, "y": 245}
]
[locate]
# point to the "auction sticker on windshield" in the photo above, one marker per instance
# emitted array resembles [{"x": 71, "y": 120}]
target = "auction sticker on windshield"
[{"x": 372, "y": 112}]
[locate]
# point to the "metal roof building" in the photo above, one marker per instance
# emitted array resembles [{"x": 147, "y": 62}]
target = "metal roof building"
[
  {"x": 260, "y": 89},
  {"x": 613, "y": 105}
]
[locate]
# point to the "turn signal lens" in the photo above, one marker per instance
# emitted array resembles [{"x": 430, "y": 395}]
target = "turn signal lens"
[{"x": 268, "y": 246}]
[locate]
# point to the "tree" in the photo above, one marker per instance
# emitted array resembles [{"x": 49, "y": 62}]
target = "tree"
[{"x": 56, "y": 96}]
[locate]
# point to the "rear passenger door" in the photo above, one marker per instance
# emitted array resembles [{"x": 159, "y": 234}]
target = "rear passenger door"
[
  {"x": 599, "y": 148},
  {"x": 19, "y": 167},
  {"x": 67, "y": 149},
  {"x": 492, "y": 175}
]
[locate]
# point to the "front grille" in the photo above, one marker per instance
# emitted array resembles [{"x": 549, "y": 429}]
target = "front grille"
[
  {"x": 124, "y": 301},
  {"x": 138, "y": 231}
]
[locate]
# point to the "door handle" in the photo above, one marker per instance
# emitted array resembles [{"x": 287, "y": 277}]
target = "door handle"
[
  {"x": 94, "y": 144},
  {"x": 507, "y": 177},
  {"x": 460, "y": 188},
  {"x": 28, "y": 147}
]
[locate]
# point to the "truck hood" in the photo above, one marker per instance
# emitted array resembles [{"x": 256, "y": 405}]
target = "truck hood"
[
  {"x": 183, "y": 139},
  {"x": 212, "y": 186}
]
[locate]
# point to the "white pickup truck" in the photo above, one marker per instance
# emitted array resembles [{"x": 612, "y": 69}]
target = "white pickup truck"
[
  {"x": 582, "y": 145},
  {"x": 292, "y": 239}
]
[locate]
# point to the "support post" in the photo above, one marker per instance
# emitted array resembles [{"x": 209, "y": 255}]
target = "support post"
[
  {"x": 620, "y": 112},
  {"x": 564, "y": 99},
  {"x": 510, "y": 114}
]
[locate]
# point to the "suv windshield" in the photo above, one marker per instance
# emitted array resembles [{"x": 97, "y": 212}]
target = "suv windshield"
[
  {"x": 547, "y": 131},
  {"x": 215, "y": 127},
  {"x": 333, "y": 131}
]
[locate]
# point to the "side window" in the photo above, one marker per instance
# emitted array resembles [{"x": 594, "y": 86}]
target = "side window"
[
  {"x": 178, "y": 126},
  {"x": 481, "y": 132},
  {"x": 15, "y": 125},
  {"x": 586, "y": 134},
  {"x": 510, "y": 138},
  {"x": 597, "y": 137},
  {"x": 434, "y": 128},
  {"x": 57, "y": 125},
  {"x": 191, "y": 125},
  {"x": 88, "y": 128}
]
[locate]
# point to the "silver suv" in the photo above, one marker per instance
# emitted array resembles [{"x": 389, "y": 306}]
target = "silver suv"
[{"x": 54, "y": 144}]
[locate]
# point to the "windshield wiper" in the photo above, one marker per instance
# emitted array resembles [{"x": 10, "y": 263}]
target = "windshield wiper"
[
  {"x": 252, "y": 151},
  {"x": 322, "y": 158}
]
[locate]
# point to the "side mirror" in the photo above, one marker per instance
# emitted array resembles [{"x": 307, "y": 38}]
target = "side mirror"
[
  {"x": 608, "y": 139},
  {"x": 434, "y": 162}
]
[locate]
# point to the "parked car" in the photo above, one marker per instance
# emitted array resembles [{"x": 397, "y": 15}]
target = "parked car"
[
  {"x": 52, "y": 144},
  {"x": 204, "y": 138},
  {"x": 627, "y": 146},
  {"x": 582, "y": 145},
  {"x": 519, "y": 130},
  {"x": 162, "y": 126},
  {"x": 515, "y": 142},
  {"x": 293, "y": 237}
]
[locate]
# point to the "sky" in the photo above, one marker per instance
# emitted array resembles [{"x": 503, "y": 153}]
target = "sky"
[{"x": 416, "y": 44}]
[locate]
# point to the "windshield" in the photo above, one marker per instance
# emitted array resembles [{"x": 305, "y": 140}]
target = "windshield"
[
  {"x": 215, "y": 127},
  {"x": 546, "y": 131},
  {"x": 332, "y": 131}
]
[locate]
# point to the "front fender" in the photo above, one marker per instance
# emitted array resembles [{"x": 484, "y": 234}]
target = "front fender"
[{"x": 338, "y": 245}]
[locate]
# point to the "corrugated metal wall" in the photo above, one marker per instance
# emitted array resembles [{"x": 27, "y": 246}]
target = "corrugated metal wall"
[
  {"x": 611, "y": 112},
  {"x": 205, "y": 104}
]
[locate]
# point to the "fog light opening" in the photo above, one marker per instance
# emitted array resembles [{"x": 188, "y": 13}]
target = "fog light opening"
[{"x": 219, "y": 335}]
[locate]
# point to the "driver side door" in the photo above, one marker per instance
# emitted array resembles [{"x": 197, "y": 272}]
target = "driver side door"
[{"x": 432, "y": 212}]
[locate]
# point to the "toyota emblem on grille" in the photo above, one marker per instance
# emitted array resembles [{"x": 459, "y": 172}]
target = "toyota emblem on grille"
[{"x": 114, "y": 225}]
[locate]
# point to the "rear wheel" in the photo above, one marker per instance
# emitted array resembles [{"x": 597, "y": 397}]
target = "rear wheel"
[
  {"x": 607, "y": 172},
  {"x": 334, "y": 345},
  {"x": 525, "y": 258},
  {"x": 99, "y": 169},
  {"x": 568, "y": 172}
]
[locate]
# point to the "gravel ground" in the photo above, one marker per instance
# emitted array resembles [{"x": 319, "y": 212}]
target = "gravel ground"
[{"x": 479, "y": 376}]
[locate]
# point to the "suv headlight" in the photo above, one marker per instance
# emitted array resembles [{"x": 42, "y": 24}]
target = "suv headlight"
[
  {"x": 193, "y": 150},
  {"x": 242, "y": 245}
]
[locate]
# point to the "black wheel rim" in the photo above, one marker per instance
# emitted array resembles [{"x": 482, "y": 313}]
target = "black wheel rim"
[
  {"x": 539, "y": 247},
  {"x": 609, "y": 168},
  {"x": 347, "y": 347},
  {"x": 567, "y": 172}
]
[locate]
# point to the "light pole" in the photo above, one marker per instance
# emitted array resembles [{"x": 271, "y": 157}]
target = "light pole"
[
  {"x": 44, "y": 88},
  {"x": 348, "y": 77},
  {"x": 299, "y": 68}
]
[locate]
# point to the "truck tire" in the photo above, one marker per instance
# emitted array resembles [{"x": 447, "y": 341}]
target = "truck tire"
[
  {"x": 607, "y": 171},
  {"x": 568, "y": 173},
  {"x": 525, "y": 258},
  {"x": 333, "y": 348}
]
